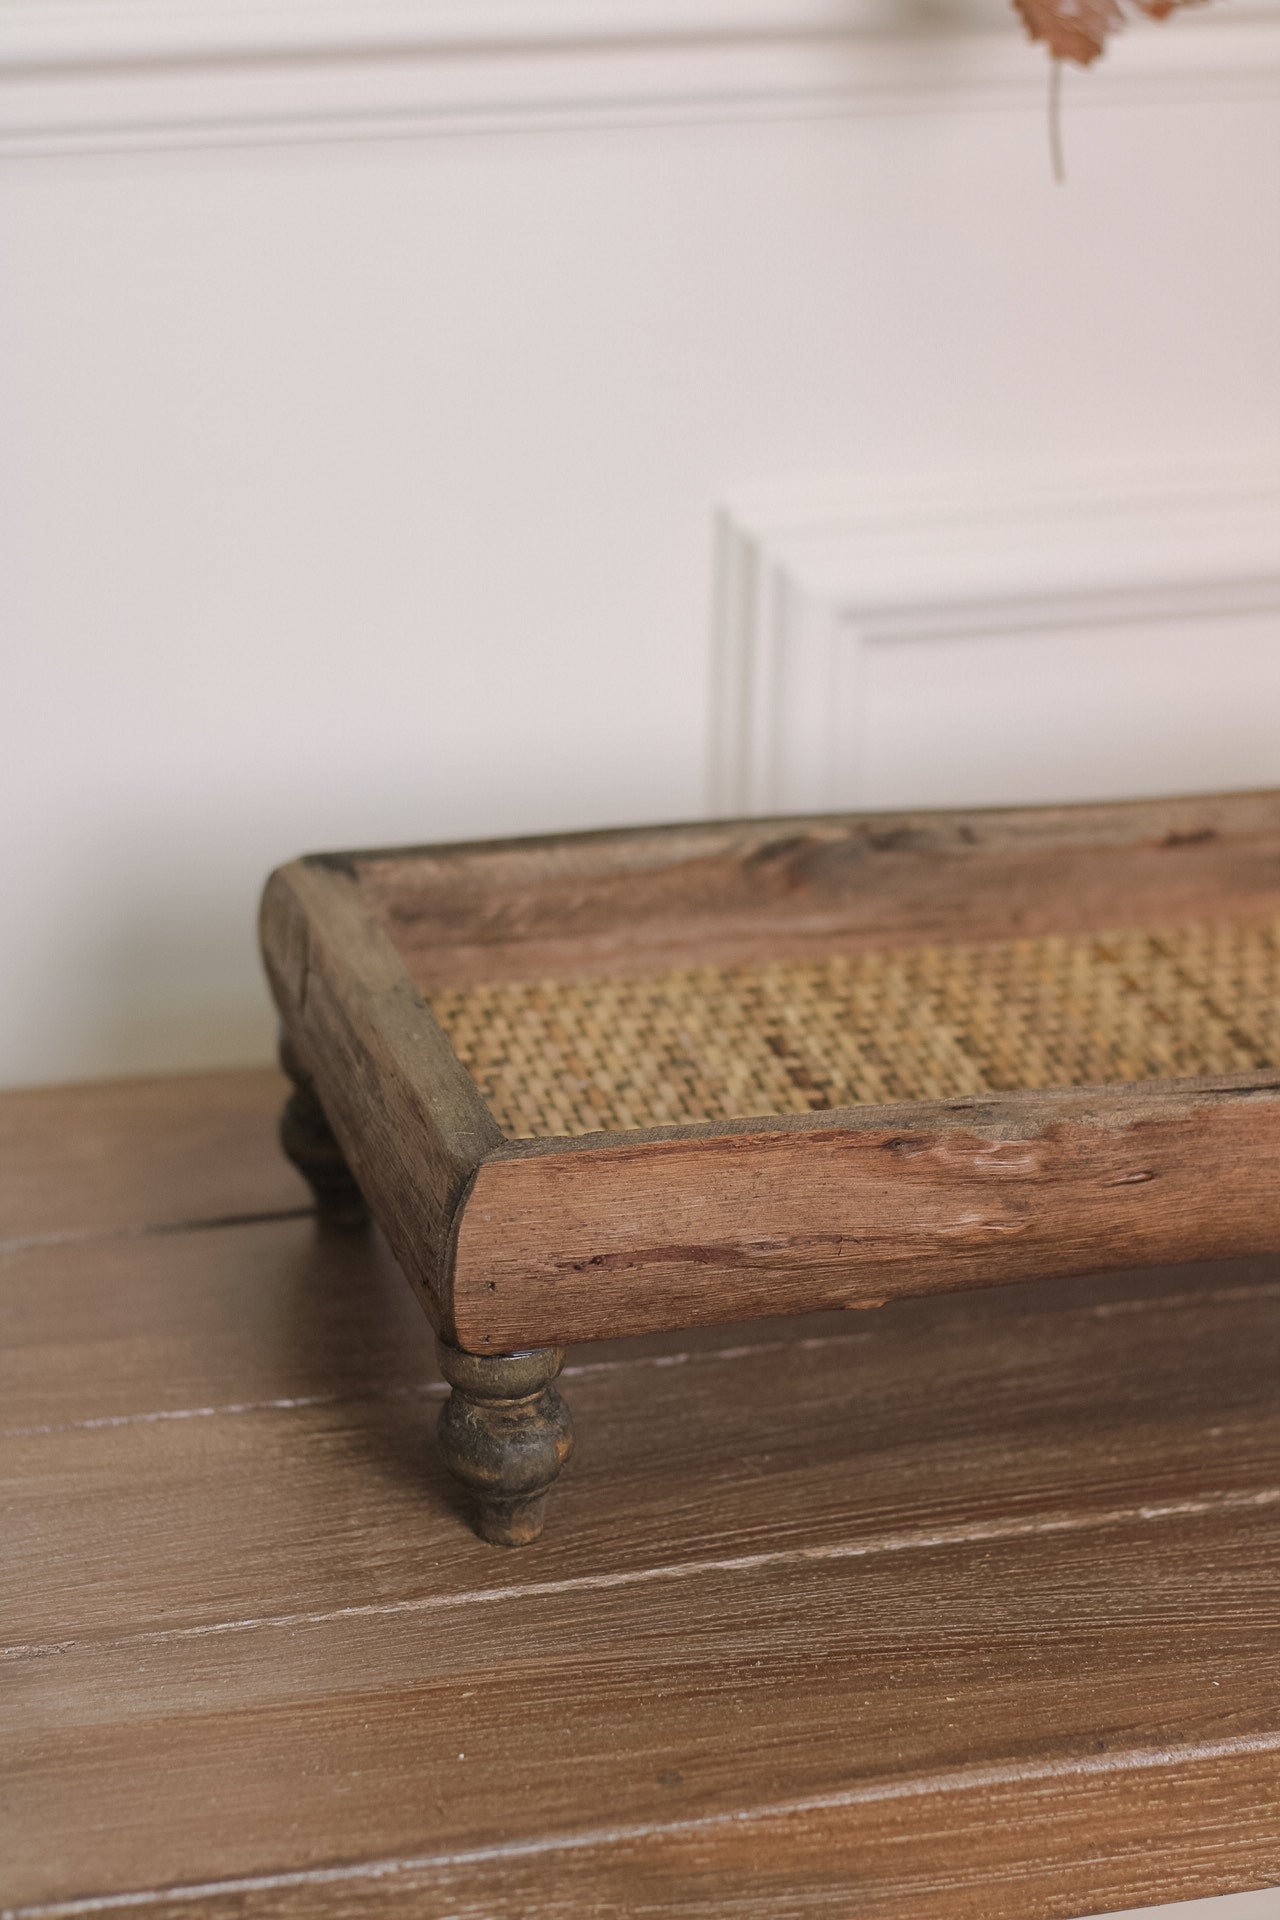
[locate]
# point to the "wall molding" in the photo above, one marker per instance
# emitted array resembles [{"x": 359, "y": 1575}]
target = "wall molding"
[
  {"x": 75, "y": 31},
  {"x": 811, "y": 578},
  {"x": 95, "y": 75}
]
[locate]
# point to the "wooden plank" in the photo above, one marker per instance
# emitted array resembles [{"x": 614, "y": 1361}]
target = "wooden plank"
[
  {"x": 577, "y": 1240},
  {"x": 182, "y": 1324},
  {"x": 1170, "y": 1827},
  {"x": 409, "y": 1117},
  {"x": 931, "y": 1418},
  {"x": 924, "y": 1625},
  {"x": 734, "y": 891},
  {"x": 855, "y": 1680},
  {"x": 125, "y": 1156},
  {"x": 197, "y": 1524}
]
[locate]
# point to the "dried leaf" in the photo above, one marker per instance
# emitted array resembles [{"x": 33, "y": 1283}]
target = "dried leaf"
[{"x": 1077, "y": 29}]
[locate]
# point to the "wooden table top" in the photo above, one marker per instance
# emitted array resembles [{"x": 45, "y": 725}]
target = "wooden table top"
[{"x": 969, "y": 1607}]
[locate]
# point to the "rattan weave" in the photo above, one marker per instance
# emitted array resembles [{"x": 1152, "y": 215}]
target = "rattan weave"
[{"x": 913, "y": 1023}]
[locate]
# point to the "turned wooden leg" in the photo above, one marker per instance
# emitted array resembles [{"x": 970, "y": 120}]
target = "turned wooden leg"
[
  {"x": 505, "y": 1433},
  {"x": 308, "y": 1139}
]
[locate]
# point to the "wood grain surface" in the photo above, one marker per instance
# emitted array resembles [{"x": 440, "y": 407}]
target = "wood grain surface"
[
  {"x": 734, "y": 891},
  {"x": 618, "y": 1234},
  {"x": 968, "y": 1607}
]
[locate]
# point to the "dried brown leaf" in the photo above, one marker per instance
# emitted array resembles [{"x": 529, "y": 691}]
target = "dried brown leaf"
[{"x": 1077, "y": 29}]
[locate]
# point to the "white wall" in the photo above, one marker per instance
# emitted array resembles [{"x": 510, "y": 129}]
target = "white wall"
[{"x": 365, "y": 414}]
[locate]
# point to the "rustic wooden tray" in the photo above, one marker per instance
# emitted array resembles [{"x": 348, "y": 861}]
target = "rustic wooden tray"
[{"x": 613, "y": 1083}]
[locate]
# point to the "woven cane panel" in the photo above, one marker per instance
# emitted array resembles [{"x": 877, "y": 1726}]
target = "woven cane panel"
[{"x": 913, "y": 1023}]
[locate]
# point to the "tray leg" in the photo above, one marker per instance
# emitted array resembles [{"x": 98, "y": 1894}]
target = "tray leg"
[
  {"x": 505, "y": 1433},
  {"x": 308, "y": 1140}
]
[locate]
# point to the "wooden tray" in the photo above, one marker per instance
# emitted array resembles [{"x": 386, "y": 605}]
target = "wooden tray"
[{"x": 678, "y": 1046}]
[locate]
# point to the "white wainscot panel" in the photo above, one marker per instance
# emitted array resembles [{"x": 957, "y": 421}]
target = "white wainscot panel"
[{"x": 987, "y": 645}]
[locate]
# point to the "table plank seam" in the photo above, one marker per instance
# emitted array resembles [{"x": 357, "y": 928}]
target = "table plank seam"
[
  {"x": 430, "y": 1389},
  {"x": 908, "y": 1540},
  {"x": 297, "y": 1403},
  {"x": 83, "y": 1236},
  {"x": 692, "y": 1356},
  {"x": 868, "y": 1793}
]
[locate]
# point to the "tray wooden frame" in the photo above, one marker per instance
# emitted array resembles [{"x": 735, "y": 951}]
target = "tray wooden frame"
[{"x": 516, "y": 1245}]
